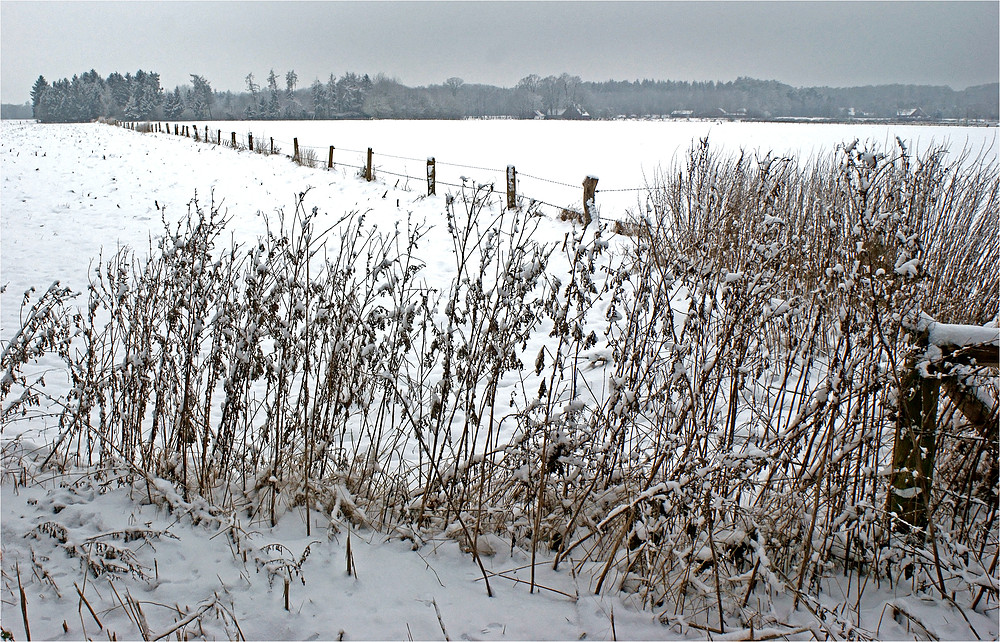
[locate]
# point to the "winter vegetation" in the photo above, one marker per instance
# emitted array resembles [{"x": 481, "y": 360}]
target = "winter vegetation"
[
  {"x": 140, "y": 97},
  {"x": 694, "y": 411}
]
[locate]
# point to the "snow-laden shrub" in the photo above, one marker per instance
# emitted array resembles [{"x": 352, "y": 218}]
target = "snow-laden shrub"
[{"x": 703, "y": 411}]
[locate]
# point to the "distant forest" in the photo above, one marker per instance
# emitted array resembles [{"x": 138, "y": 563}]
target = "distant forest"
[{"x": 139, "y": 96}]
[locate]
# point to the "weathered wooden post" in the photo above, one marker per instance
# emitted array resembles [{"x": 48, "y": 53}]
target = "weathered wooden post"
[
  {"x": 177, "y": 130},
  {"x": 589, "y": 189},
  {"x": 511, "y": 187},
  {"x": 914, "y": 448},
  {"x": 329, "y": 162},
  {"x": 920, "y": 385},
  {"x": 234, "y": 139},
  {"x": 272, "y": 145},
  {"x": 207, "y": 139},
  {"x": 295, "y": 155},
  {"x": 218, "y": 135},
  {"x": 250, "y": 142},
  {"x": 368, "y": 167},
  {"x": 431, "y": 177}
]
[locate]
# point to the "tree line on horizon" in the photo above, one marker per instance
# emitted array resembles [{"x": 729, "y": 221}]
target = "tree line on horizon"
[{"x": 139, "y": 96}]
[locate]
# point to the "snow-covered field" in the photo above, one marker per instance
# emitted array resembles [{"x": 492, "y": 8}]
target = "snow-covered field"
[
  {"x": 71, "y": 192},
  {"x": 623, "y": 155}
]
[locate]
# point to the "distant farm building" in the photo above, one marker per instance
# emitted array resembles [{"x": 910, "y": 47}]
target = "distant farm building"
[
  {"x": 911, "y": 114},
  {"x": 574, "y": 112},
  {"x": 569, "y": 113}
]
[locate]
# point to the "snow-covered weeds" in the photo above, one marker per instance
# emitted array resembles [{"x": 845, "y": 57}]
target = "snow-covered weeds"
[{"x": 702, "y": 413}]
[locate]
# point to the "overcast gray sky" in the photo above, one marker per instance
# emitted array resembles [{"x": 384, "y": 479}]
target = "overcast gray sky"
[{"x": 801, "y": 43}]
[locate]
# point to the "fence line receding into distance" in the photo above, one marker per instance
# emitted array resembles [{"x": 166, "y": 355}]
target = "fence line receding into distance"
[{"x": 308, "y": 156}]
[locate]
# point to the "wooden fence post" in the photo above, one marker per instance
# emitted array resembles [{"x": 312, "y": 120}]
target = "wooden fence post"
[
  {"x": 177, "y": 130},
  {"x": 207, "y": 139},
  {"x": 234, "y": 140},
  {"x": 914, "y": 449},
  {"x": 368, "y": 167},
  {"x": 250, "y": 141},
  {"x": 915, "y": 446},
  {"x": 272, "y": 145},
  {"x": 218, "y": 135},
  {"x": 589, "y": 189},
  {"x": 431, "y": 177},
  {"x": 329, "y": 162},
  {"x": 511, "y": 187},
  {"x": 295, "y": 155}
]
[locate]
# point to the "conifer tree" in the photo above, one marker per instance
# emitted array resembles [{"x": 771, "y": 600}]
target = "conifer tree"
[
  {"x": 37, "y": 91},
  {"x": 173, "y": 105},
  {"x": 201, "y": 97},
  {"x": 319, "y": 99},
  {"x": 273, "y": 108}
]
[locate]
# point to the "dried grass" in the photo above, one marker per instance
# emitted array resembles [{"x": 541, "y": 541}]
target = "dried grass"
[{"x": 733, "y": 441}]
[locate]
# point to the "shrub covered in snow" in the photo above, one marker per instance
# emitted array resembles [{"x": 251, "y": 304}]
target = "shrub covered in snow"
[{"x": 701, "y": 413}]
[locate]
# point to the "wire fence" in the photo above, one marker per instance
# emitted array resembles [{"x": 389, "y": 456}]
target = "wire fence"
[{"x": 509, "y": 180}]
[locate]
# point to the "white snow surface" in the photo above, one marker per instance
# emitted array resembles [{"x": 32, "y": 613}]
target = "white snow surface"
[
  {"x": 70, "y": 192},
  {"x": 552, "y": 158},
  {"x": 949, "y": 334}
]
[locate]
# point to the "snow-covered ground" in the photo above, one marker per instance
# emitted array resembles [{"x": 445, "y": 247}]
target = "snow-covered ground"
[
  {"x": 623, "y": 155},
  {"x": 71, "y": 192}
]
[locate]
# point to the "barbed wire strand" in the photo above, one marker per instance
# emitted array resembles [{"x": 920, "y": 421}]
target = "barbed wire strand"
[
  {"x": 384, "y": 155},
  {"x": 547, "y": 180},
  {"x": 482, "y": 169}
]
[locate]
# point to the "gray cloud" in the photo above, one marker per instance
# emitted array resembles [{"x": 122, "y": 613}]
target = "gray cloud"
[{"x": 801, "y": 43}]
